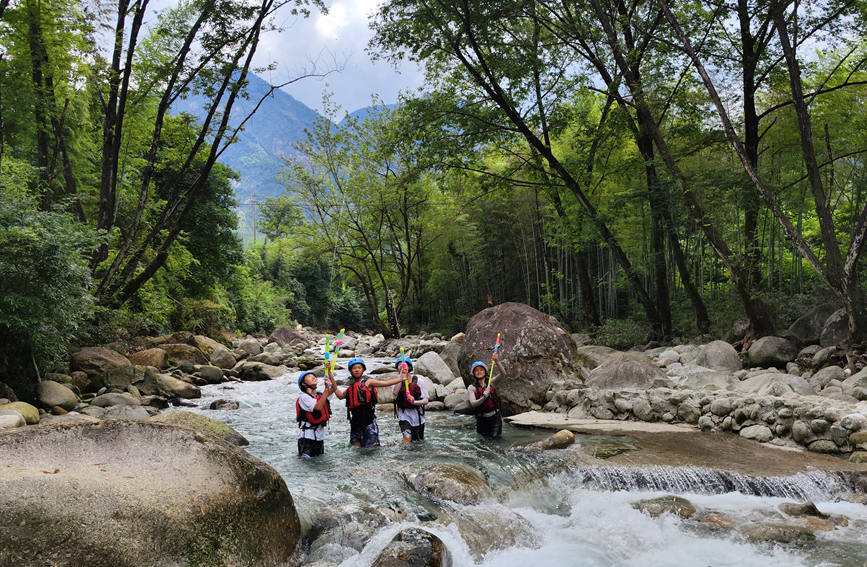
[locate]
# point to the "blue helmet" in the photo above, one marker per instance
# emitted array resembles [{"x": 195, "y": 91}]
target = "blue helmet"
[
  {"x": 301, "y": 377},
  {"x": 478, "y": 363},
  {"x": 353, "y": 361},
  {"x": 403, "y": 359}
]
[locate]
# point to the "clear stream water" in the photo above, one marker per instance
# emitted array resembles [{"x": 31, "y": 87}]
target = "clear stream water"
[{"x": 556, "y": 508}]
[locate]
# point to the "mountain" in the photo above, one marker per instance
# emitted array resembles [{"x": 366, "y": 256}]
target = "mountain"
[{"x": 267, "y": 137}]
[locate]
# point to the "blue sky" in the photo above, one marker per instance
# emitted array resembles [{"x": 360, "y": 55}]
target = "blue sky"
[{"x": 320, "y": 41}]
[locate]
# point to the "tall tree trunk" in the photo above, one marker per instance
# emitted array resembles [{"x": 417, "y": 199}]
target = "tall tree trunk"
[{"x": 38, "y": 63}]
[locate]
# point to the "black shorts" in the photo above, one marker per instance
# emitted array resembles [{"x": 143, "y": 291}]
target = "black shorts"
[
  {"x": 310, "y": 447},
  {"x": 490, "y": 427},
  {"x": 416, "y": 432}
]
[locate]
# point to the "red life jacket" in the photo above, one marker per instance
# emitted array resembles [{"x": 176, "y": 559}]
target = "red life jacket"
[
  {"x": 358, "y": 394},
  {"x": 315, "y": 418},
  {"x": 414, "y": 390},
  {"x": 491, "y": 403}
]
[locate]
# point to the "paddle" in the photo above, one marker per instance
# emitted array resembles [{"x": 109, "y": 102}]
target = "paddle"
[
  {"x": 337, "y": 345},
  {"x": 496, "y": 348},
  {"x": 403, "y": 366}
]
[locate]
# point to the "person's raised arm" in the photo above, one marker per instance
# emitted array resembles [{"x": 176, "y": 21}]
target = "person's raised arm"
[
  {"x": 471, "y": 394},
  {"x": 499, "y": 369}
]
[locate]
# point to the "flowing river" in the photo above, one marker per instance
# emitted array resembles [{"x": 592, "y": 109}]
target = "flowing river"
[{"x": 556, "y": 508}]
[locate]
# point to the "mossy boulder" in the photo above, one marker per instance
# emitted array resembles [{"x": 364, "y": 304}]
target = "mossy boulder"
[
  {"x": 28, "y": 412},
  {"x": 453, "y": 482},
  {"x": 124, "y": 494},
  {"x": 196, "y": 422}
]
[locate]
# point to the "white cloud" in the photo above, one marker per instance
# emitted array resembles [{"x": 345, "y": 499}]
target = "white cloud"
[{"x": 330, "y": 24}]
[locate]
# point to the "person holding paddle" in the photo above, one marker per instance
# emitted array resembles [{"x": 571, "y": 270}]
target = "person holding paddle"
[
  {"x": 483, "y": 396},
  {"x": 410, "y": 397}
]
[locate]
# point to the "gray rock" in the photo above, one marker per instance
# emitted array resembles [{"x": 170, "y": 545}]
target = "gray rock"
[
  {"x": 286, "y": 336},
  {"x": 431, "y": 365},
  {"x": 721, "y": 406},
  {"x": 772, "y": 351},
  {"x": 104, "y": 367},
  {"x": 705, "y": 423},
  {"x": 11, "y": 419},
  {"x": 592, "y": 356},
  {"x": 821, "y": 357},
  {"x": 457, "y": 402},
  {"x": 211, "y": 374},
  {"x": 176, "y": 354},
  {"x": 793, "y": 369},
  {"x": 435, "y": 406},
  {"x": 698, "y": 378},
  {"x": 807, "y": 329},
  {"x": 70, "y": 418},
  {"x": 535, "y": 352},
  {"x": 675, "y": 505},
  {"x": 627, "y": 371},
  {"x": 414, "y": 547},
  {"x": 802, "y": 433},
  {"x": 135, "y": 413},
  {"x": 835, "y": 330},
  {"x": 854, "y": 421},
  {"x": 689, "y": 412},
  {"x": 719, "y": 355},
  {"x": 821, "y": 378},
  {"x": 250, "y": 346},
  {"x": 759, "y": 433},
  {"x": 776, "y": 384},
  {"x": 823, "y": 446},
  {"x": 221, "y": 357},
  {"x": 642, "y": 410},
  {"x": 224, "y": 405},
  {"x": 452, "y": 482},
  {"x": 202, "y": 424},
  {"x": 114, "y": 399},
  {"x": 53, "y": 394},
  {"x": 258, "y": 371},
  {"x": 449, "y": 355},
  {"x": 858, "y": 380},
  {"x": 136, "y": 493}
]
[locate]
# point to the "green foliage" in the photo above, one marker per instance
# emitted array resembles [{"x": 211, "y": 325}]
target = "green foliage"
[
  {"x": 622, "y": 333},
  {"x": 44, "y": 291}
]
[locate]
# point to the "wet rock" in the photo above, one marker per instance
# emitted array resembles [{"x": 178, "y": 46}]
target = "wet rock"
[
  {"x": 494, "y": 527},
  {"x": 535, "y": 352},
  {"x": 717, "y": 521},
  {"x": 224, "y": 405},
  {"x": 607, "y": 449},
  {"x": 772, "y": 351},
  {"x": 559, "y": 440},
  {"x": 666, "y": 505},
  {"x": 802, "y": 509},
  {"x": 778, "y": 533},
  {"x": 104, "y": 367},
  {"x": 53, "y": 394},
  {"x": 196, "y": 422},
  {"x": 817, "y": 525},
  {"x": 759, "y": 433},
  {"x": 126, "y": 494},
  {"x": 155, "y": 357},
  {"x": 453, "y": 482},
  {"x": 414, "y": 547}
]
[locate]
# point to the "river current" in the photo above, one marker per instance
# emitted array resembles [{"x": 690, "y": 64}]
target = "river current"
[{"x": 553, "y": 508}]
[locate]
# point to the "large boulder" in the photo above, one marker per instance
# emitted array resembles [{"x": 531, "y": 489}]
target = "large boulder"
[
  {"x": 286, "y": 336},
  {"x": 54, "y": 394},
  {"x": 775, "y": 384},
  {"x": 258, "y": 371},
  {"x": 155, "y": 357},
  {"x": 118, "y": 494},
  {"x": 628, "y": 371},
  {"x": 772, "y": 351},
  {"x": 104, "y": 367},
  {"x": 250, "y": 346},
  {"x": 28, "y": 412},
  {"x": 718, "y": 355},
  {"x": 450, "y": 353},
  {"x": 535, "y": 351},
  {"x": 206, "y": 344},
  {"x": 807, "y": 329},
  {"x": 835, "y": 331},
  {"x": 451, "y": 482},
  {"x": 431, "y": 365},
  {"x": 695, "y": 377},
  {"x": 197, "y": 422},
  {"x": 176, "y": 353},
  {"x": 592, "y": 356},
  {"x": 223, "y": 358},
  {"x": 414, "y": 547}
]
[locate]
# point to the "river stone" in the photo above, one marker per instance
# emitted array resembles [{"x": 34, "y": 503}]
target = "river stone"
[
  {"x": 859, "y": 439},
  {"x": 27, "y": 411},
  {"x": 258, "y": 371},
  {"x": 114, "y": 399},
  {"x": 778, "y": 533},
  {"x": 494, "y": 527},
  {"x": 431, "y": 365},
  {"x": 642, "y": 409},
  {"x": 823, "y": 446},
  {"x": 666, "y": 505},
  {"x": 177, "y": 353},
  {"x": 772, "y": 351},
  {"x": 721, "y": 406},
  {"x": 807, "y": 329},
  {"x": 134, "y": 413},
  {"x": 559, "y": 440},
  {"x": 776, "y": 384},
  {"x": 718, "y": 355},
  {"x": 155, "y": 357},
  {"x": 853, "y": 421},
  {"x": 414, "y": 547},
  {"x": 535, "y": 352},
  {"x": 196, "y": 422},
  {"x": 858, "y": 457},
  {"x": 592, "y": 356},
  {"x": 206, "y": 344},
  {"x": 53, "y": 394},
  {"x": 222, "y": 358},
  {"x": 802, "y": 509},
  {"x": 705, "y": 423},
  {"x": 212, "y": 374},
  {"x": 457, "y": 402},
  {"x": 627, "y": 370},
  {"x": 224, "y": 405},
  {"x": 689, "y": 412},
  {"x": 250, "y": 346},
  {"x": 104, "y": 367},
  {"x": 835, "y": 330},
  {"x": 760, "y": 433},
  {"x": 717, "y": 521},
  {"x": 695, "y": 377},
  {"x": 10, "y": 419},
  {"x": 453, "y": 482},
  {"x": 821, "y": 378},
  {"x": 857, "y": 380},
  {"x": 286, "y": 336},
  {"x": 128, "y": 494}
]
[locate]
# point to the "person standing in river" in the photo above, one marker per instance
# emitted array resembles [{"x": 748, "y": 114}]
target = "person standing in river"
[
  {"x": 410, "y": 397},
  {"x": 484, "y": 399},
  {"x": 361, "y": 399},
  {"x": 312, "y": 412}
]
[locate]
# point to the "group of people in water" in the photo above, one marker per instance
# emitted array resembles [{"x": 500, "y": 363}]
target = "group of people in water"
[{"x": 313, "y": 408}]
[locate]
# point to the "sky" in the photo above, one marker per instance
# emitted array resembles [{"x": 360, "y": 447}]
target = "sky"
[{"x": 322, "y": 42}]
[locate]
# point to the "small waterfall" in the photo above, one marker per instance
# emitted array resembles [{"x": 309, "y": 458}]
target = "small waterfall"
[{"x": 814, "y": 485}]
